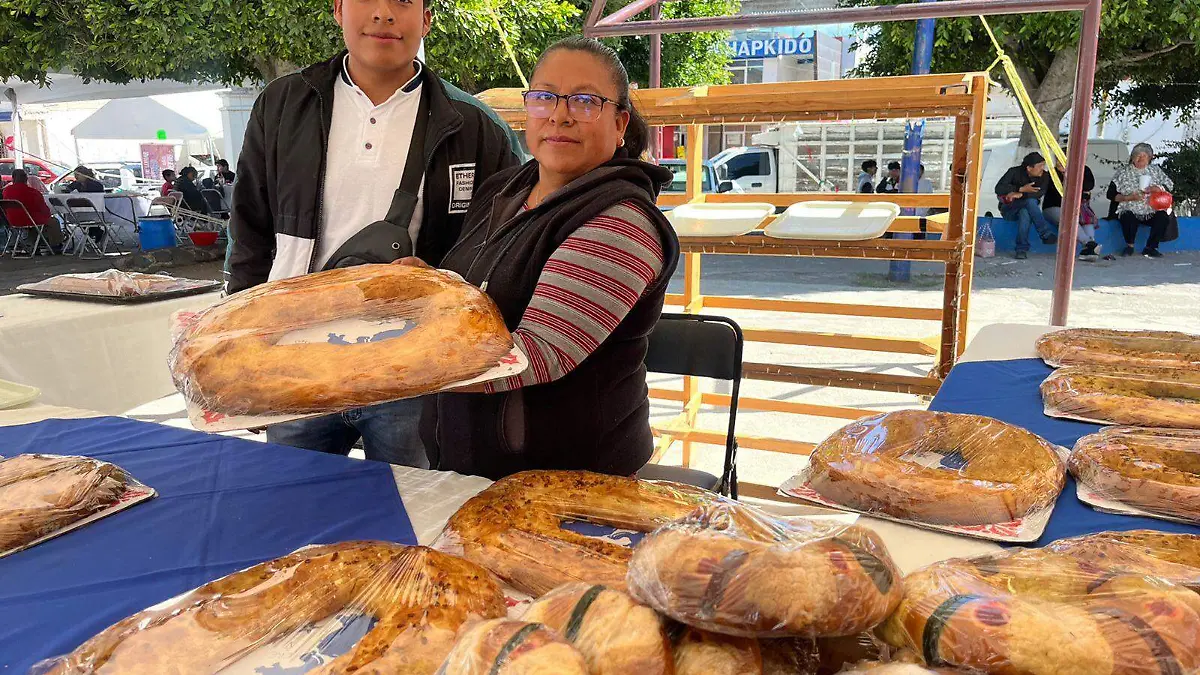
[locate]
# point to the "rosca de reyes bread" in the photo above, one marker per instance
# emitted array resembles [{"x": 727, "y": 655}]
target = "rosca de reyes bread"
[
  {"x": 1119, "y": 348},
  {"x": 508, "y": 647},
  {"x": 242, "y": 356},
  {"x": 40, "y": 494},
  {"x": 418, "y": 598},
  {"x": 937, "y": 467},
  {"x": 1148, "y": 397},
  {"x": 756, "y": 576},
  {"x": 1153, "y": 469},
  {"x": 1086, "y": 606}
]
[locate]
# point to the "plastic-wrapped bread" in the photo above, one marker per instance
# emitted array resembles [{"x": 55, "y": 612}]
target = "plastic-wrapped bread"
[
  {"x": 1146, "y": 397},
  {"x": 114, "y": 284},
  {"x": 1119, "y": 348},
  {"x": 280, "y": 348},
  {"x": 283, "y": 611},
  {"x": 615, "y": 634},
  {"x": 1157, "y": 470},
  {"x": 1105, "y": 604},
  {"x": 733, "y": 570},
  {"x": 507, "y": 647},
  {"x": 937, "y": 467},
  {"x": 699, "y": 652}
]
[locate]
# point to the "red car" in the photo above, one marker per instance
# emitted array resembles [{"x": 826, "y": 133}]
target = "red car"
[{"x": 44, "y": 171}]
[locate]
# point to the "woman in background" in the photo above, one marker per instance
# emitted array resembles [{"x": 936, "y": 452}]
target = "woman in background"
[{"x": 1135, "y": 183}]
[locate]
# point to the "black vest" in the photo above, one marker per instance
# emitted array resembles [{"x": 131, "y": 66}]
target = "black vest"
[{"x": 597, "y": 416}]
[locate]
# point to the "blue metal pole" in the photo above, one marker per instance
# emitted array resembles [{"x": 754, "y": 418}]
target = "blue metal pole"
[{"x": 914, "y": 134}]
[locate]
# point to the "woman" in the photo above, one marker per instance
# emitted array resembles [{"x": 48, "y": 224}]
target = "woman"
[
  {"x": 85, "y": 181},
  {"x": 577, "y": 257},
  {"x": 1135, "y": 182}
]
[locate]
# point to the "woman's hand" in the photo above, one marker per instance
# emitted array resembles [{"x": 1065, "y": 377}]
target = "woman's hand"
[{"x": 412, "y": 261}]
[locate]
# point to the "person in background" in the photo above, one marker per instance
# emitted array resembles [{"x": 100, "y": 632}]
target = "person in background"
[
  {"x": 1019, "y": 191},
  {"x": 19, "y": 190},
  {"x": 186, "y": 183},
  {"x": 891, "y": 182},
  {"x": 324, "y": 153},
  {"x": 168, "y": 182},
  {"x": 224, "y": 175},
  {"x": 1135, "y": 182},
  {"x": 1052, "y": 209},
  {"x": 924, "y": 186},
  {"x": 866, "y": 179},
  {"x": 85, "y": 181},
  {"x": 34, "y": 181},
  {"x": 580, "y": 275}
]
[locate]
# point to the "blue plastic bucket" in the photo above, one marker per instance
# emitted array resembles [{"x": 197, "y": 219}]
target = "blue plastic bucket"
[{"x": 156, "y": 232}]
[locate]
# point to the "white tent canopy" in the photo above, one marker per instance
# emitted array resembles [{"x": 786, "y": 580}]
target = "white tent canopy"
[
  {"x": 137, "y": 119},
  {"x": 65, "y": 87}
]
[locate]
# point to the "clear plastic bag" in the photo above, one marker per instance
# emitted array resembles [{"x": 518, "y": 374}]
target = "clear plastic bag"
[
  {"x": 1157, "y": 470},
  {"x": 365, "y": 607},
  {"x": 1147, "y": 397},
  {"x": 507, "y": 647},
  {"x": 337, "y": 340},
  {"x": 115, "y": 284},
  {"x": 1119, "y": 348},
  {"x": 938, "y": 468},
  {"x": 515, "y": 528},
  {"x": 733, "y": 570},
  {"x": 615, "y": 634},
  {"x": 45, "y": 495},
  {"x": 1109, "y": 603}
]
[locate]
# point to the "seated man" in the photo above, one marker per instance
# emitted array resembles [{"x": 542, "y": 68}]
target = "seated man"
[
  {"x": 186, "y": 184},
  {"x": 1052, "y": 209},
  {"x": 1019, "y": 191},
  {"x": 20, "y": 190}
]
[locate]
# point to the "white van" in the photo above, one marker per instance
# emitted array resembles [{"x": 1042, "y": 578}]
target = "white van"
[{"x": 1105, "y": 156}]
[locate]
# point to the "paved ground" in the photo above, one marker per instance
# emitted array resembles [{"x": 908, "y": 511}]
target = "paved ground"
[{"x": 1126, "y": 293}]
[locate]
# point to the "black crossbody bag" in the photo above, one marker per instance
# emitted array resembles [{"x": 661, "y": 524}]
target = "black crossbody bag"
[{"x": 387, "y": 240}]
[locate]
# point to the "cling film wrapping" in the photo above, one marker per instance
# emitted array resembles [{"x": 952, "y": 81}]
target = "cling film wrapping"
[
  {"x": 337, "y": 340},
  {"x": 1119, "y": 348},
  {"x": 1136, "y": 396},
  {"x": 352, "y": 607},
  {"x": 1155, "y": 470},
  {"x": 1102, "y": 604},
  {"x": 42, "y": 496},
  {"x": 509, "y": 647},
  {"x": 114, "y": 284},
  {"x": 937, "y": 468}
]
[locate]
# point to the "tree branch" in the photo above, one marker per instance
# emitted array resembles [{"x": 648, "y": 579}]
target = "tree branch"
[{"x": 1144, "y": 56}]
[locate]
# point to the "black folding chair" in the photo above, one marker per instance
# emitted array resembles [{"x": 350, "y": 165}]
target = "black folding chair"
[
  {"x": 701, "y": 346},
  {"x": 216, "y": 202}
]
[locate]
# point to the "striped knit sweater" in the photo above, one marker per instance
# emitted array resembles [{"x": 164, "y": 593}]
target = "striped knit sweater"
[{"x": 585, "y": 290}]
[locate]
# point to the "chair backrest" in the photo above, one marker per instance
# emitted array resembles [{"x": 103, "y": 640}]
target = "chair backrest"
[
  {"x": 6, "y": 204},
  {"x": 696, "y": 344},
  {"x": 216, "y": 200}
]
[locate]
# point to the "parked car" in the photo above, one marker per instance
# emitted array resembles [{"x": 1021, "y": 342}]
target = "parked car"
[{"x": 45, "y": 171}]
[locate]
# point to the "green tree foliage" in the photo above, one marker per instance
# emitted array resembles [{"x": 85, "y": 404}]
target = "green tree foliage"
[
  {"x": 1147, "y": 47},
  {"x": 1182, "y": 164},
  {"x": 234, "y": 41}
]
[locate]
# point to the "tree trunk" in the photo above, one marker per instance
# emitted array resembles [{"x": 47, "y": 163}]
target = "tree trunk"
[
  {"x": 271, "y": 68},
  {"x": 1052, "y": 96}
]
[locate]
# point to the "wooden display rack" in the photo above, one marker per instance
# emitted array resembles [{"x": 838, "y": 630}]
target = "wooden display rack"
[{"x": 962, "y": 97}]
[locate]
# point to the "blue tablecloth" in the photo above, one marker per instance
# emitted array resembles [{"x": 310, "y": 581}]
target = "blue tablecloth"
[
  {"x": 1008, "y": 391},
  {"x": 223, "y": 504}
]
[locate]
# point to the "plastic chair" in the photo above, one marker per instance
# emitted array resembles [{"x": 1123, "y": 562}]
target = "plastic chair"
[
  {"x": 14, "y": 231},
  {"x": 701, "y": 346},
  {"x": 89, "y": 217}
]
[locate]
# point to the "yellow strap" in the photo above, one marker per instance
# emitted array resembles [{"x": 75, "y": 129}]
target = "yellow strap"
[
  {"x": 512, "y": 55},
  {"x": 1047, "y": 140}
]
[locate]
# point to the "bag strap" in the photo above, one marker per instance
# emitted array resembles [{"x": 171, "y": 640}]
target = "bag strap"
[{"x": 404, "y": 200}]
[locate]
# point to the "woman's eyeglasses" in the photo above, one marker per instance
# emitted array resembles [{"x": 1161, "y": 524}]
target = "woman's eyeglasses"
[{"x": 583, "y": 107}]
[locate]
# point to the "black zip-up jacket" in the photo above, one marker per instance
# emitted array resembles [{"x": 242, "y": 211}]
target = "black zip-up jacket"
[
  {"x": 276, "y": 217},
  {"x": 1053, "y": 198},
  {"x": 1017, "y": 177}
]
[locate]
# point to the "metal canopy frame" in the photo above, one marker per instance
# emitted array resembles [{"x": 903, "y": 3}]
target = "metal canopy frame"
[{"x": 618, "y": 23}]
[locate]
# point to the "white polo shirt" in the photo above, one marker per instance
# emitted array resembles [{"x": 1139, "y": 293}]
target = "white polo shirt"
[{"x": 367, "y": 149}]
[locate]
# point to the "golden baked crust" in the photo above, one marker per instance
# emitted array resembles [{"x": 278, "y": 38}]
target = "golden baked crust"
[
  {"x": 1154, "y": 469},
  {"x": 114, "y": 283},
  {"x": 507, "y": 647},
  {"x": 419, "y": 597},
  {"x": 1146, "y": 397},
  {"x": 763, "y": 577},
  {"x": 880, "y": 464},
  {"x": 615, "y": 634},
  {"x": 1119, "y": 348},
  {"x": 1084, "y": 606},
  {"x": 230, "y": 360},
  {"x": 43, "y": 493},
  {"x": 513, "y": 527},
  {"x": 701, "y": 653}
]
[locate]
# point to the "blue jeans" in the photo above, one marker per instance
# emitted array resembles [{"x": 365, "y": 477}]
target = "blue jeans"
[
  {"x": 1027, "y": 212},
  {"x": 388, "y": 431}
]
